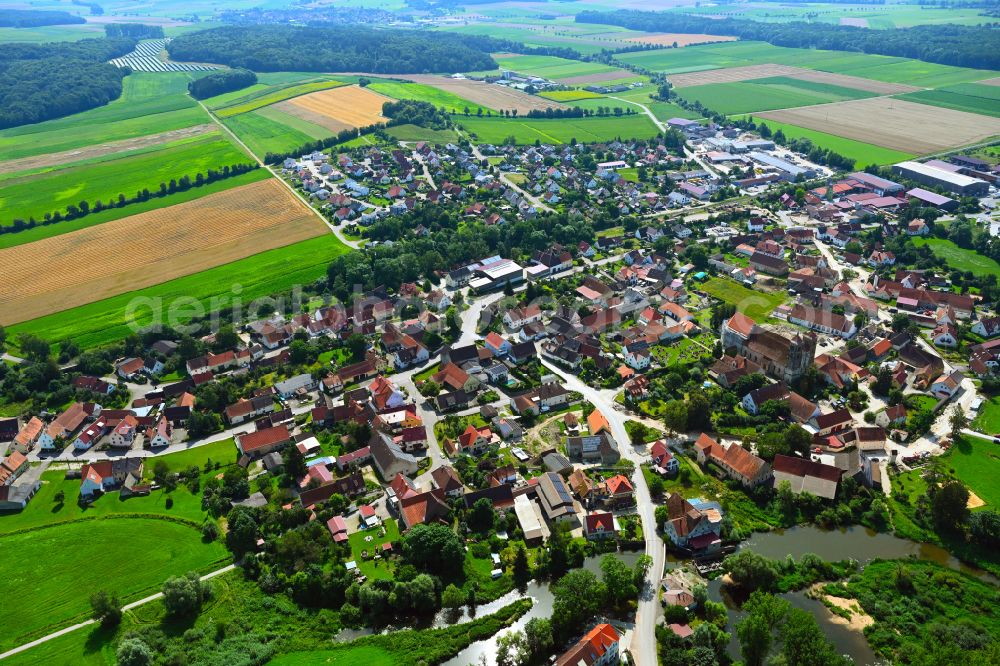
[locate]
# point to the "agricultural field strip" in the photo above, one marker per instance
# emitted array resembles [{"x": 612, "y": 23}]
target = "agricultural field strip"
[
  {"x": 150, "y": 248},
  {"x": 486, "y": 94},
  {"x": 751, "y": 72},
  {"x": 352, "y": 106},
  {"x": 66, "y": 157},
  {"x": 669, "y": 38},
  {"x": 901, "y": 125},
  {"x": 274, "y": 97}
]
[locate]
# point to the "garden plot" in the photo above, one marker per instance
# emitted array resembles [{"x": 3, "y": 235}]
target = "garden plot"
[{"x": 893, "y": 123}]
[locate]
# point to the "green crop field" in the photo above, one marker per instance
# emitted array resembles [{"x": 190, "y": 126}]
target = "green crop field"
[
  {"x": 272, "y": 272},
  {"x": 862, "y": 153},
  {"x": 757, "y": 305},
  {"x": 551, "y": 67},
  {"x": 58, "y": 568},
  {"x": 35, "y": 195},
  {"x": 109, "y": 214},
  {"x": 971, "y": 97},
  {"x": 767, "y": 94},
  {"x": 270, "y": 130},
  {"x": 150, "y": 103},
  {"x": 959, "y": 258},
  {"x": 424, "y": 93},
  {"x": 261, "y": 98},
  {"x": 416, "y": 133},
  {"x": 739, "y": 54},
  {"x": 882, "y": 16},
  {"x": 562, "y": 130},
  {"x": 570, "y": 95}
]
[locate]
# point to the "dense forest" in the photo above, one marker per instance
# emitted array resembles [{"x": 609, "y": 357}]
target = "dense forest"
[
  {"x": 133, "y": 31},
  {"x": 330, "y": 49},
  {"x": 964, "y": 46},
  {"x": 223, "y": 81},
  {"x": 43, "y": 81},
  {"x": 33, "y": 18}
]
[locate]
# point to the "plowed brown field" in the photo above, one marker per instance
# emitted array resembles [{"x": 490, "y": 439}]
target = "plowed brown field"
[
  {"x": 107, "y": 259},
  {"x": 349, "y": 106}
]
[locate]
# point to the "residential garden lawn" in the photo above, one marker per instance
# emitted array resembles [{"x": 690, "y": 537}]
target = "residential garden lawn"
[
  {"x": 35, "y": 195},
  {"x": 259, "y": 99},
  {"x": 369, "y": 567},
  {"x": 150, "y": 103},
  {"x": 110, "y": 214},
  {"x": 223, "y": 452},
  {"x": 920, "y": 402},
  {"x": 777, "y": 92},
  {"x": 44, "y": 511},
  {"x": 988, "y": 420},
  {"x": 559, "y": 130},
  {"x": 424, "y": 93},
  {"x": 862, "y": 153},
  {"x": 971, "y": 97},
  {"x": 959, "y": 258},
  {"x": 264, "y": 133},
  {"x": 57, "y": 568},
  {"x": 757, "y": 305},
  {"x": 272, "y": 272}
]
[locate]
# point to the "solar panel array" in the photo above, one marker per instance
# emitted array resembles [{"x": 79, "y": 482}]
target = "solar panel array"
[{"x": 145, "y": 58}]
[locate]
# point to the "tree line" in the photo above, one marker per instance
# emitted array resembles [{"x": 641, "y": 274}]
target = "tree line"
[
  {"x": 409, "y": 111},
  {"x": 576, "y": 112},
  {"x": 84, "y": 208},
  {"x": 270, "y": 48},
  {"x": 222, "y": 81},
  {"x": 43, "y": 81},
  {"x": 133, "y": 31},
  {"x": 964, "y": 46},
  {"x": 34, "y": 18}
]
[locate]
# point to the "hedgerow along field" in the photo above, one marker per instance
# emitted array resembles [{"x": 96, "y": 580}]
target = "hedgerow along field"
[
  {"x": 559, "y": 130},
  {"x": 151, "y": 103},
  {"x": 110, "y": 214},
  {"x": 271, "y": 272},
  {"x": 151, "y": 248},
  {"x": 35, "y": 195},
  {"x": 862, "y": 153},
  {"x": 69, "y": 562}
]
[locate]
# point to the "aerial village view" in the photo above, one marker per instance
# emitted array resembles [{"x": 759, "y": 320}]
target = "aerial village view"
[{"x": 500, "y": 333}]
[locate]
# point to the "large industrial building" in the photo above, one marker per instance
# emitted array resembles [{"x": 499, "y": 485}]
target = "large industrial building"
[{"x": 952, "y": 181}]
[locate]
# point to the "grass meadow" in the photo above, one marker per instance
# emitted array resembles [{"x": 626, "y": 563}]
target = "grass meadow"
[
  {"x": 552, "y": 67},
  {"x": 960, "y": 258},
  {"x": 971, "y": 97},
  {"x": 767, "y": 94},
  {"x": 150, "y": 103},
  {"x": 63, "y": 565},
  {"x": 269, "y": 130},
  {"x": 272, "y": 272},
  {"x": 561, "y": 130},
  {"x": 35, "y": 195},
  {"x": 757, "y": 305},
  {"x": 862, "y": 153}
]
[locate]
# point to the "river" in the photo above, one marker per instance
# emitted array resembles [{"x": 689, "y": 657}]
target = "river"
[{"x": 859, "y": 543}]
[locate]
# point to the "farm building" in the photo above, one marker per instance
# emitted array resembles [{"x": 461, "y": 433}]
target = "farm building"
[
  {"x": 788, "y": 170},
  {"x": 932, "y": 175},
  {"x": 932, "y": 199}
]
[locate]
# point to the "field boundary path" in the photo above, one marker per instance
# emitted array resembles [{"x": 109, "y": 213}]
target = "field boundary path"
[
  {"x": 127, "y": 607},
  {"x": 353, "y": 244}
]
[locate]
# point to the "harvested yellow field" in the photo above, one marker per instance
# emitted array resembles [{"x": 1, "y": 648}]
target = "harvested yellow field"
[
  {"x": 349, "y": 106},
  {"x": 892, "y": 123},
  {"x": 670, "y": 38},
  {"x": 107, "y": 259}
]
